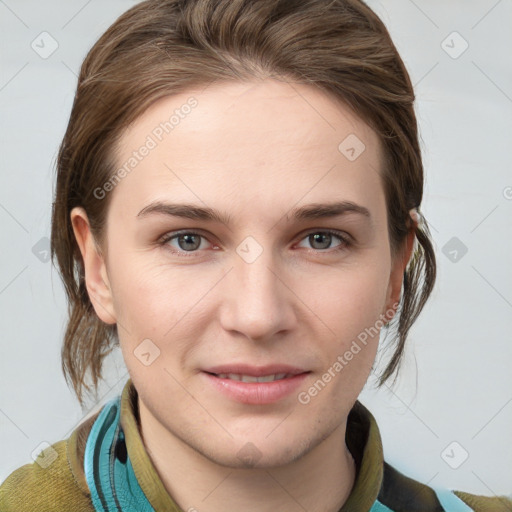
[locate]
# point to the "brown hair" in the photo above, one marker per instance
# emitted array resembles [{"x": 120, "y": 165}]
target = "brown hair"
[{"x": 164, "y": 47}]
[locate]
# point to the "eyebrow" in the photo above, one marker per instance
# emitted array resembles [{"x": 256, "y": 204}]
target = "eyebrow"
[
  {"x": 327, "y": 210},
  {"x": 308, "y": 212}
]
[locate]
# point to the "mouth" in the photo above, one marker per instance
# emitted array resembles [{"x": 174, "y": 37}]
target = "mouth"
[
  {"x": 276, "y": 370},
  {"x": 252, "y": 378},
  {"x": 255, "y": 385}
]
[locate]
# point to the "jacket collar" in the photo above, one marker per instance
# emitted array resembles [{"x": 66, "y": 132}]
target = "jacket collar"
[{"x": 362, "y": 438}]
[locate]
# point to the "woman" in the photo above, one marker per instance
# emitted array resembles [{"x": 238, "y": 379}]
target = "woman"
[{"x": 237, "y": 207}]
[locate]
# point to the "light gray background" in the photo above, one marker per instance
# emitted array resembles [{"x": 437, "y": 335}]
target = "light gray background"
[{"x": 456, "y": 384}]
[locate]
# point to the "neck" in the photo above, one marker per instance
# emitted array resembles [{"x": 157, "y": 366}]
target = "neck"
[{"x": 320, "y": 481}]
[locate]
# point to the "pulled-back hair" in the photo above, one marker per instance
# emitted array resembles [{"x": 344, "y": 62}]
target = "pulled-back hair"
[{"x": 164, "y": 47}]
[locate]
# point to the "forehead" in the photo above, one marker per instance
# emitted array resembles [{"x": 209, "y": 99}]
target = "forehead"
[{"x": 270, "y": 140}]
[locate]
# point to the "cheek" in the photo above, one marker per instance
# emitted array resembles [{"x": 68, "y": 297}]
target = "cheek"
[
  {"x": 150, "y": 297},
  {"x": 350, "y": 307},
  {"x": 349, "y": 299},
  {"x": 153, "y": 306}
]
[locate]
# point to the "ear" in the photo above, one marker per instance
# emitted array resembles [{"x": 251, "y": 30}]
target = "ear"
[
  {"x": 396, "y": 277},
  {"x": 96, "y": 279}
]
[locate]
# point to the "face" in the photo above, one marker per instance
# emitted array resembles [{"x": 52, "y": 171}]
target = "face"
[{"x": 248, "y": 242}]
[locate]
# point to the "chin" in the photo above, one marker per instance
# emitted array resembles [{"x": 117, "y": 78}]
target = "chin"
[
  {"x": 257, "y": 452},
  {"x": 249, "y": 456}
]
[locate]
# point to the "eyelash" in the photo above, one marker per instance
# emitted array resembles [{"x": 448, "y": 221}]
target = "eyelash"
[{"x": 344, "y": 245}]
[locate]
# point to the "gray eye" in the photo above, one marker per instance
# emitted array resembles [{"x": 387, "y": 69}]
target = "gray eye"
[
  {"x": 189, "y": 242},
  {"x": 320, "y": 240}
]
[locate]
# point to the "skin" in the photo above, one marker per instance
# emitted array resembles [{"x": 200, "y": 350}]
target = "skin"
[{"x": 254, "y": 151}]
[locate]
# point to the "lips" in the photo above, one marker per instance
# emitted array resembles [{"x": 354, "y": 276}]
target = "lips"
[{"x": 255, "y": 385}]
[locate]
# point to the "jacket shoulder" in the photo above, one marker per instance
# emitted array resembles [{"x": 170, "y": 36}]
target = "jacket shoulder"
[
  {"x": 54, "y": 482},
  {"x": 485, "y": 503},
  {"x": 401, "y": 493}
]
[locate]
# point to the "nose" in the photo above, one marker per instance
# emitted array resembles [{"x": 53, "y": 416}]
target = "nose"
[{"x": 256, "y": 300}]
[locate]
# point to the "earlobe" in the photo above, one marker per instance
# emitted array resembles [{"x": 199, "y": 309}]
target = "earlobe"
[{"x": 96, "y": 278}]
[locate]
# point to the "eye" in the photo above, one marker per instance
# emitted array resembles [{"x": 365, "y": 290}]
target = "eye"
[
  {"x": 322, "y": 240},
  {"x": 184, "y": 241}
]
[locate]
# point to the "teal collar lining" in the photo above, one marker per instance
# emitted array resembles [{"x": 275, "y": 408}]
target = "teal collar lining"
[{"x": 108, "y": 469}]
